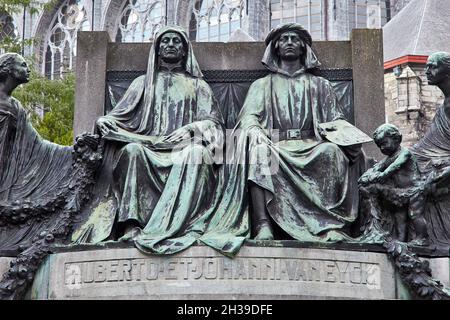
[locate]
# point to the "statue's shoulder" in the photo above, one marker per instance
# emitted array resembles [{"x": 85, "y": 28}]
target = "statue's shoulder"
[
  {"x": 405, "y": 152},
  {"x": 11, "y": 105},
  {"x": 139, "y": 80},
  {"x": 200, "y": 82},
  {"x": 200, "y": 85},
  {"x": 137, "y": 85},
  {"x": 319, "y": 79},
  {"x": 261, "y": 82}
]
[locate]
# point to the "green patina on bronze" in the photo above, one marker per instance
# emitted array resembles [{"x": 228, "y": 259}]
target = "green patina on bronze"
[
  {"x": 165, "y": 186},
  {"x": 32, "y": 169},
  {"x": 98, "y": 224},
  {"x": 312, "y": 196},
  {"x": 393, "y": 193}
]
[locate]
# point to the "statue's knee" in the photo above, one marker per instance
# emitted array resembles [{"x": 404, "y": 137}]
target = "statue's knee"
[
  {"x": 132, "y": 148},
  {"x": 130, "y": 151},
  {"x": 330, "y": 147},
  {"x": 330, "y": 153}
]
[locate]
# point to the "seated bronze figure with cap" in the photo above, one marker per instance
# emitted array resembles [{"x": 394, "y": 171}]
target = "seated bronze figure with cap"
[{"x": 307, "y": 188}]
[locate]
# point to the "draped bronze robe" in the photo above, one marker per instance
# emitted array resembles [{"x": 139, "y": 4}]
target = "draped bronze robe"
[
  {"x": 31, "y": 169},
  {"x": 168, "y": 190},
  {"x": 435, "y": 145},
  {"x": 313, "y": 194}
]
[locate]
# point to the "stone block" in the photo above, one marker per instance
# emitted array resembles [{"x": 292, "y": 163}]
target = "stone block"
[
  {"x": 136, "y": 56},
  {"x": 441, "y": 270},
  {"x": 224, "y": 56},
  {"x": 426, "y": 93},
  {"x": 412, "y": 115},
  {"x": 431, "y": 99},
  {"x": 4, "y": 265},
  {"x": 395, "y": 94},
  {"x": 202, "y": 273},
  {"x": 90, "y": 79},
  {"x": 368, "y": 77}
]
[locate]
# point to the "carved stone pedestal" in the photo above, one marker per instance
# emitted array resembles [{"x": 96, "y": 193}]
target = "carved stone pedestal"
[
  {"x": 279, "y": 270},
  {"x": 202, "y": 273}
]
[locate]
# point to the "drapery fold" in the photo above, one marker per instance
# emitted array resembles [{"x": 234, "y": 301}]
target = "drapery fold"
[{"x": 32, "y": 170}]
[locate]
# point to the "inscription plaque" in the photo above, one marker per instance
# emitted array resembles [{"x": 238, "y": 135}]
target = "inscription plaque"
[
  {"x": 201, "y": 273},
  {"x": 219, "y": 268}
]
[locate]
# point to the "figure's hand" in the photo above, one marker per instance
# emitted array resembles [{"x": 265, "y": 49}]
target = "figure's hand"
[
  {"x": 379, "y": 178},
  {"x": 105, "y": 125},
  {"x": 322, "y": 132},
  {"x": 363, "y": 180},
  {"x": 183, "y": 133},
  {"x": 87, "y": 140},
  {"x": 92, "y": 141},
  {"x": 87, "y": 149},
  {"x": 366, "y": 178},
  {"x": 370, "y": 176}
]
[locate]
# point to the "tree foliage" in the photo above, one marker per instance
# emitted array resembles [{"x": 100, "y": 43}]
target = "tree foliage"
[
  {"x": 12, "y": 44},
  {"x": 33, "y": 6},
  {"x": 50, "y": 104}
]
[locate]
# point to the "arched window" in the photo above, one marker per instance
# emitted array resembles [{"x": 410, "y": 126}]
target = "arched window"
[
  {"x": 140, "y": 20},
  {"x": 71, "y": 17},
  {"x": 215, "y": 20},
  {"x": 311, "y": 14},
  {"x": 8, "y": 30},
  {"x": 308, "y": 13}
]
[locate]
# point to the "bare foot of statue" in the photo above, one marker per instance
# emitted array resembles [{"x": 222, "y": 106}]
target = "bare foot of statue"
[{"x": 264, "y": 232}]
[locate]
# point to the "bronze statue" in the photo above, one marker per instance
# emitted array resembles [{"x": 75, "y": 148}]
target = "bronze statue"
[
  {"x": 313, "y": 195},
  {"x": 433, "y": 153},
  {"x": 35, "y": 174},
  {"x": 164, "y": 131},
  {"x": 42, "y": 185},
  {"x": 395, "y": 189}
]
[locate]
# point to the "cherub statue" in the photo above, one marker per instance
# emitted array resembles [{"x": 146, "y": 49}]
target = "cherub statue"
[{"x": 395, "y": 190}]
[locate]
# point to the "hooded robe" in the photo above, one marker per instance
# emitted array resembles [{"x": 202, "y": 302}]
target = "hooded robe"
[
  {"x": 312, "y": 195},
  {"x": 168, "y": 190}
]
